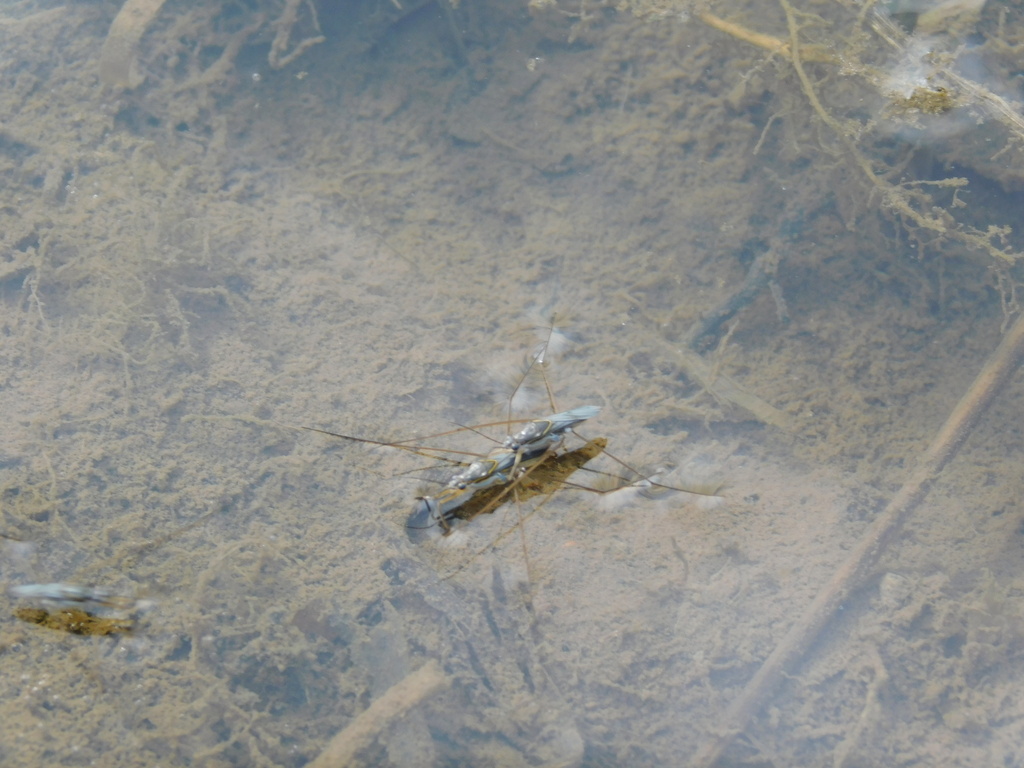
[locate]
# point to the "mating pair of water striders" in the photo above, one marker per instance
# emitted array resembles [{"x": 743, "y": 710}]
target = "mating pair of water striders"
[
  {"x": 531, "y": 445},
  {"x": 482, "y": 484},
  {"x": 525, "y": 463}
]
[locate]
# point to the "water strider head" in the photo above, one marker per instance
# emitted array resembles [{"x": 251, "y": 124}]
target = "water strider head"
[
  {"x": 431, "y": 514},
  {"x": 424, "y": 515}
]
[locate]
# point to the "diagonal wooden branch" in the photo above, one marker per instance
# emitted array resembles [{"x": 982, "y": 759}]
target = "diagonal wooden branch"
[{"x": 990, "y": 381}]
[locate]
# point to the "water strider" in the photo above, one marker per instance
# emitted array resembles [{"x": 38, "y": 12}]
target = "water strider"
[
  {"x": 529, "y": 461},
  {"x": 534, "y": 445}
]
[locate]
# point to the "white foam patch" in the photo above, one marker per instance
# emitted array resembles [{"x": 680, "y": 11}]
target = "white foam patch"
[
  {"x": 618, "y": 500},
  {"x": 552, "y": 347},
  {"x": 506, "y": 382}
]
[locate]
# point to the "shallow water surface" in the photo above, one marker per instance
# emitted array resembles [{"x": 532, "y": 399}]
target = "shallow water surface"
[{"x": 370, "y": 241}]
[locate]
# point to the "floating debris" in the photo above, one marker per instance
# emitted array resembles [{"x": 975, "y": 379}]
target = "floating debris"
[
  {"x": 64, "y": 608},
  {"x": 76, "y": 621}
]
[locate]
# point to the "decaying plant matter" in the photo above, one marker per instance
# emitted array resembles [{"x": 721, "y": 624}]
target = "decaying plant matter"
[
  {"x": 119, "y": 65},
  {"x": 918, "y": 80}
]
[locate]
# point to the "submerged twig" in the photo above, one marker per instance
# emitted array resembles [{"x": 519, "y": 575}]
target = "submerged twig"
[
  {"x": 993, "y": 377},
  {"x": 279, "y": 56},
  {"x": 117, "y": 57},
  {"x": 718, "y": 385},
  {"x": 390, "y": 707},
  {"x": 769, "y": 43},
  {"x": 757, "y": 278}
]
